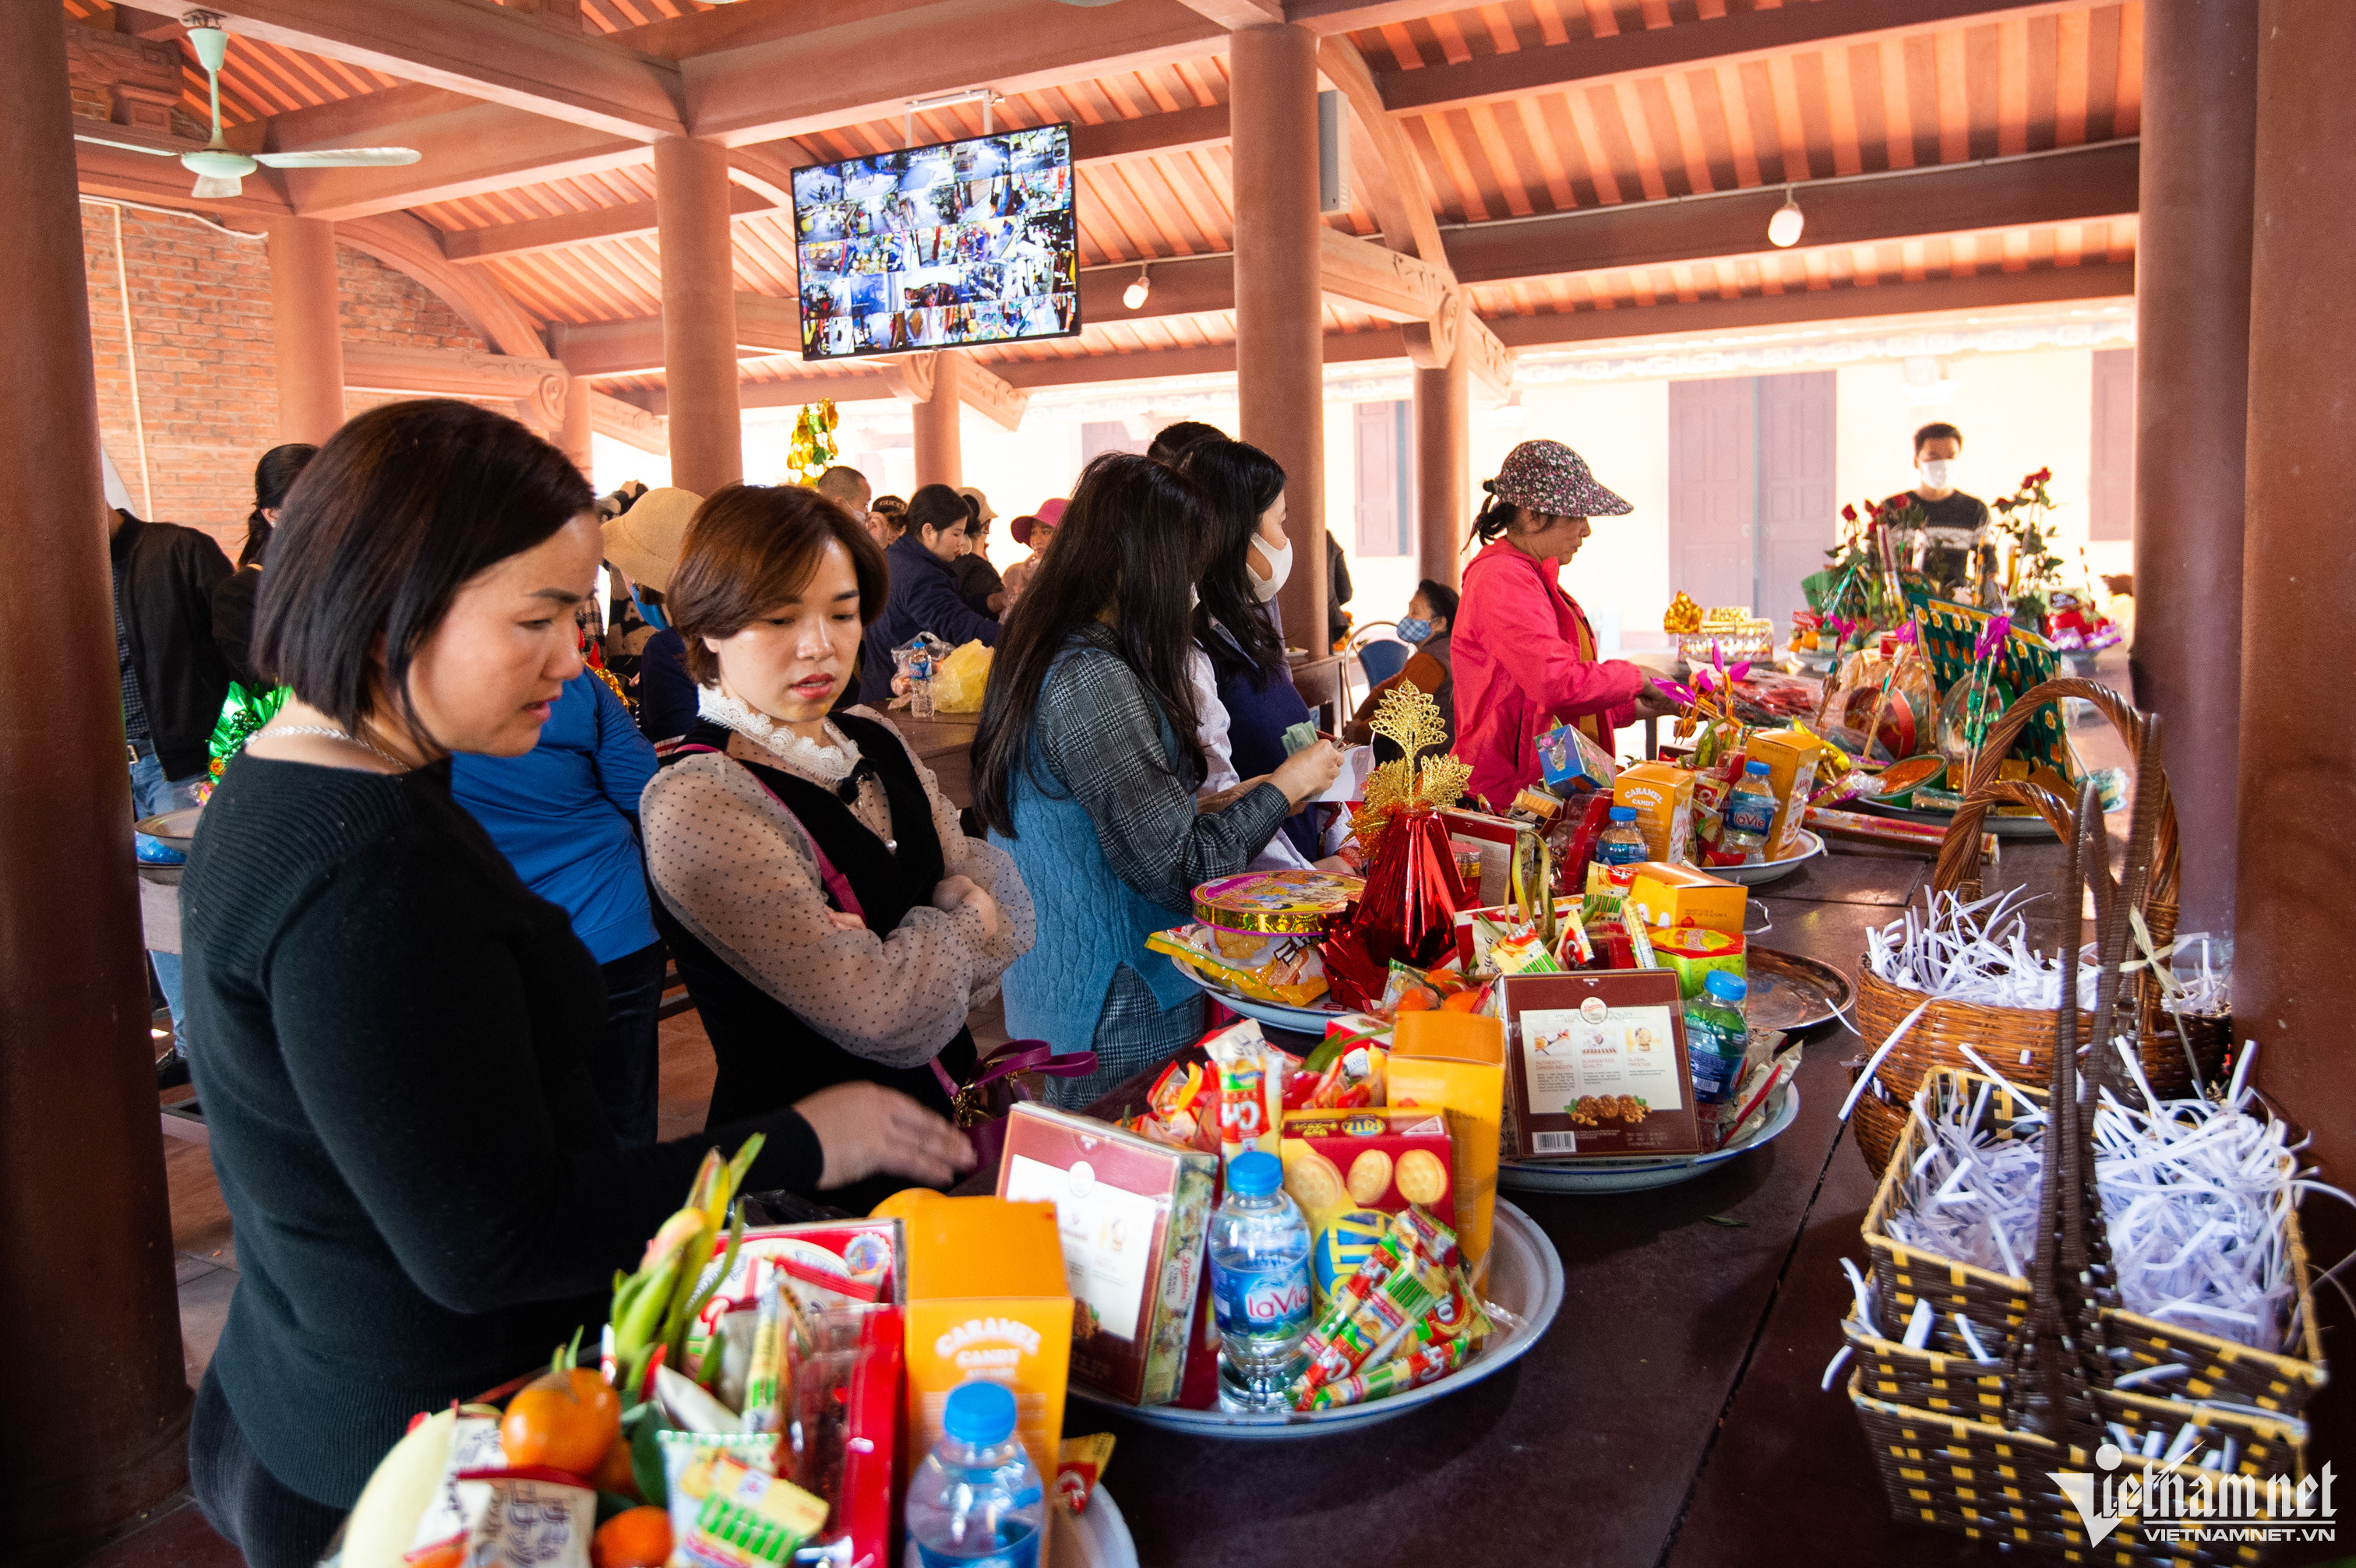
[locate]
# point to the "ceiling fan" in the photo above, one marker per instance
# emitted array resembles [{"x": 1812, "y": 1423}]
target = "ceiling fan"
[{"x": 221, "y": 170}]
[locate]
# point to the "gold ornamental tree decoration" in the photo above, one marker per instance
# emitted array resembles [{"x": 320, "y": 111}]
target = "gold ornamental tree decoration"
[{"x": 1408, "y": 718}]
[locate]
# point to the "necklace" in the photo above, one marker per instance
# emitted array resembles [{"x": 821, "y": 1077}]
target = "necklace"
[{"x": 348, "y": 739}]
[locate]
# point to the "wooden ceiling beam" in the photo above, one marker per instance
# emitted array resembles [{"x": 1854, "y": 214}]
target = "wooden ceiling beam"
[
  {"x": 866, "y": 69},
  {"x": 1391, "y": 283},
  {"x": 625, "y": 422},
  {"x": 2081, "y": 185},
  {"x": 1649, "y": 51},
  {"x": 469, "y": 149},
  {"x": 536, "y": 234},
  {"x": 1233, "y": 13},
  {"x": 1985, "y": 291},
  {"x": 498, "y": 54},
  {"x": 1390, "y": 174}
]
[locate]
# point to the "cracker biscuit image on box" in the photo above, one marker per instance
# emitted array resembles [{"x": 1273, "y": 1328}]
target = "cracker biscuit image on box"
[
  {"x": 1370, "y": 1176},
  {"x": 1314, "y": 1183},
  {"x": 1421, "y": 1177}
]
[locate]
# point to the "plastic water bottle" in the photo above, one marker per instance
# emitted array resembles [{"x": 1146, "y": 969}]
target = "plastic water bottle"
[
  {"x": 1623, "y": 843},
  {"x": 1259, "y": 1284},
  {"x": 1750, "y": 813},
  {"x": 1716, "y": 1037},
  {"x": 976, "y": 1501}
]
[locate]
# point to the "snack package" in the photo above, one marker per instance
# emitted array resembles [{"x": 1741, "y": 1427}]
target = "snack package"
[
  {"x": 1427, "y": 1363},
  {"x": 526, "y": 1522},
  {"x": 1250, "y": 1073},
  {"x": 1692, "y": 951},
  {"x": 1266, "y": 969},
  {"x": 1537, "y": 804},
  {"x": 1662, "y": 796},
  {"x": 1573, "y": 764},
  {"x": 1663, "y": 895},
  {"x": 1354, "y": 1331},
  {"x": 1352, "y": 1077},
  {"x": 1131, "y": 1215},
  {"x": 821, "y": 1266},
  {"x": 1383, "y": 1159},
  {"x": 1479, "y": 930},
  {"x": 742, "y": 1516},
  {"x": 688, "y": 1458},
  {"x": 1183, "y": 1102},
  {"x": 1079, "y": 1467},
  {"x": 960, "y": 679},
  {"x": 1791, "y": 757}
]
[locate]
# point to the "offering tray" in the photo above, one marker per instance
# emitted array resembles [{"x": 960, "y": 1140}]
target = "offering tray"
[
  {"x": 1525, "y": 1277},
  {"x": 175, "y": 829},
  {"x": 1641, "y": 1175},
  {"x": 1995, "y": 822},
  {"x": 1097, "y": 1539},
  {"x": 1790, "y": 993},
  {"x": 1810, "y": 845},
  {"x": 1310, "y": 1019}
]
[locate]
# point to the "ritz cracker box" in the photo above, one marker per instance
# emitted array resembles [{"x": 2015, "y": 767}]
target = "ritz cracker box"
[
  {"x": 988, "y": 1299},
  {"x": 1132, "y": 1215}
]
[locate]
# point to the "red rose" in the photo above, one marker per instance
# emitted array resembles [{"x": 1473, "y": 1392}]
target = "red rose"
[{"x": 1848, "y": 514}]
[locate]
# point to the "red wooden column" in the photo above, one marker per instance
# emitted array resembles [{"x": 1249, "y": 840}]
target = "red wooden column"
[
  {"x": 306, "y": 328},
  {"x": 1443, "y": 441},
  {"x": 89, "y": 1313},
  {"x": 939, "y": 437},
  {"x": 2296, "y": 882},
  {"x": 2192, "y": 350},
  {"x": 699, "y": 294},
  {"x": 1280, "y": 331}
]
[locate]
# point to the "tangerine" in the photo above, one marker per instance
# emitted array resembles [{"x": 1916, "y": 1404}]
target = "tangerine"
[
  {"x": 563, "y": 1421},
  {"x": 449, "y": 1556},
  {"x": 616, "y": 1472},
  {"x": 635, "y": 1538}
]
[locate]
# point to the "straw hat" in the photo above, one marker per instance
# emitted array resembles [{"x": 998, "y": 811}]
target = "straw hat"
[
  {"x": 645, "y": 542},
  {"x": 979, "y": 499}
]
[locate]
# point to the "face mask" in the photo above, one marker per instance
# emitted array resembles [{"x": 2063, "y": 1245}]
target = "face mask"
[
  {"x": 1935, "y": 471},
  {"x": 1265, "y": 588},
  {"x": 1413, "y": 629}
]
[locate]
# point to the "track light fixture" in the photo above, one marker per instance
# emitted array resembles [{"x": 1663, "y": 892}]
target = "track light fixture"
[{"x": 1783, "y": 228}]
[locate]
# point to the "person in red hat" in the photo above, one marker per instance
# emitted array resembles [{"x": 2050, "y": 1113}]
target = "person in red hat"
[
  {"x": 1033, "y": 529},
  {"x": 1524, "y": 655}
]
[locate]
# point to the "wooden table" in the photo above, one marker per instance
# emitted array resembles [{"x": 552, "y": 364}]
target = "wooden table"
[
  {"x": 1322, "y": 680},
  {"x": 945, "y": 744}
]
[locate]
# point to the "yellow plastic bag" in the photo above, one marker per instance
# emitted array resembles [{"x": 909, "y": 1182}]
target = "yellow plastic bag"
[{"x": 958, "y": 684}]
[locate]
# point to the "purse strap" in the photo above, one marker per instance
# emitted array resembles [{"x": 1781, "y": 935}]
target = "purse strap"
[{"x": 837, "y": 885}]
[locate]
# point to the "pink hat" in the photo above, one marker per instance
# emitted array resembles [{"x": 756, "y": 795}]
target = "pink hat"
[
  {"x": 1051, "y": 511},
  {"x": 1049, "y": 515}
]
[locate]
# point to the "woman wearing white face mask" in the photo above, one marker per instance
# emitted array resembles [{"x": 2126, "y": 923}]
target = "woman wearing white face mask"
[
  {"x": 1237, "y": 647},
  {"x": 1956, "y": 545}
]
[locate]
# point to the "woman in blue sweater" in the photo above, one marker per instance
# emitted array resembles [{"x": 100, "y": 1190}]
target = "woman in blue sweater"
[
  {"x": 1086, "y": 770},
  {"x": 565, "y": 813}
]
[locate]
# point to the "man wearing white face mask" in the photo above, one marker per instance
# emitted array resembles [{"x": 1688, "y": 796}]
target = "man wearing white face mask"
[{"x": 1955, "y": 547}]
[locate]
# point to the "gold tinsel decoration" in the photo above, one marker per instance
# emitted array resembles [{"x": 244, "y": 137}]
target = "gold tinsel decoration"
[
  {"x": 812, "y": 449},
  {"x": 1408, "y": 718}
]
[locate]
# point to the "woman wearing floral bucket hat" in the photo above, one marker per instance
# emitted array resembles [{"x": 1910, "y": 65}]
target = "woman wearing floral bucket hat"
[{"x": 1525, "y": 654}]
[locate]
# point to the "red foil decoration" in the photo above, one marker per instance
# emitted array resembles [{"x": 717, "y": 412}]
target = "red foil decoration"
[{"x": 1407, "y": 913}]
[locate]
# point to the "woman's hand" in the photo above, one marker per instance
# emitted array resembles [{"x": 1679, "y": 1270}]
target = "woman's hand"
[
  {"x": 868, "y": 1130},
  {"x": 1219, "y": 800},
  {"x": 955, "y": 892},
  {"x": 1651, "y": 702},
  {"x": 1305, "y": 774}
]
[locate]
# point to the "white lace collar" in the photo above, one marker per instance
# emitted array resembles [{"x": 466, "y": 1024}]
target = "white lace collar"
[{"x": 829, "y": 764}]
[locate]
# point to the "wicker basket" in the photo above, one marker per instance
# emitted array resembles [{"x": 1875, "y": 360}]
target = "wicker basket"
[
  {"x": 2021, "y": 1039},
  {"x": 1997, "y": 1304}
]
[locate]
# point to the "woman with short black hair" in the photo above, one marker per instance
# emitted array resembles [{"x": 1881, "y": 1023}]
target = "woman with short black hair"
[
  {"x": 829, "y": 916},
  {"x": 394, "y": 1031},
  {"x": 1086, "y": 767}
]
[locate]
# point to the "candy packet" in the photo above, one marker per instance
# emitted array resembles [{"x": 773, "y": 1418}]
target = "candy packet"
[{"x": 742, "y": 1516}]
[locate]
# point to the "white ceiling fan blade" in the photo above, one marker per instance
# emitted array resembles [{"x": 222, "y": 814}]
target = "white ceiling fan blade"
[
  {"x": 218, "y": 187},
  {"x": 340, "y": 158},
  {"x": 130, "y": 146}
]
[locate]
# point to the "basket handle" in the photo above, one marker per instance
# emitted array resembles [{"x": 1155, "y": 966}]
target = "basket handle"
[{"x": 1958, "y": 868}]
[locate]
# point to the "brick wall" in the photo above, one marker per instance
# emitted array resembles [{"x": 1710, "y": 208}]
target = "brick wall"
[{"x": 200, "y": 332}]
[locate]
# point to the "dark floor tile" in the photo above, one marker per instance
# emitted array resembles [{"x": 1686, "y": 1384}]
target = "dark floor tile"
[{"x": 174, "y": 1535}]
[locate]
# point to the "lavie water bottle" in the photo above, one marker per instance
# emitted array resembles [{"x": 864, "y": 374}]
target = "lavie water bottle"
[{"x": 1259, "y": 1284}]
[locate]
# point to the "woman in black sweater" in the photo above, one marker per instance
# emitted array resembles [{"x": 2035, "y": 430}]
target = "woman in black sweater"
[{"x": 391, "y": 1059}]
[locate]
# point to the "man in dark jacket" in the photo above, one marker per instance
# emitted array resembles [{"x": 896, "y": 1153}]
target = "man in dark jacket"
[
  {"x": 174, "y": 679},
  {"x": 924, "y": 596}
]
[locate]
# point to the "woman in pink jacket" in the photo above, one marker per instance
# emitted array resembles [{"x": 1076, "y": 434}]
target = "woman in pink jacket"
[{"x": 1525, "y": 654}]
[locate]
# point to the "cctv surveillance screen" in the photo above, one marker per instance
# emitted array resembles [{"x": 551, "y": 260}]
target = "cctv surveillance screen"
[{"x": 947, "y": 246}]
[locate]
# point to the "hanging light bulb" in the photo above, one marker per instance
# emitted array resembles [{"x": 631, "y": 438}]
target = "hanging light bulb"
[
  {"x": 1783, "y": 228},
  {"x": 1134, "y": 295}
]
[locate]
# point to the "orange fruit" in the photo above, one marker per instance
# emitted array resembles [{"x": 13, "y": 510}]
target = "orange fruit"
[
  {"x": 564, "y": 1421},
  {"x": 1416, "y": 999},
  {"x": 615, "y": 1473},
  {"x": 636, "y": 1538},
  {"x": 449, "y": 1556},
  {"x": 1461, "y": 1002}
]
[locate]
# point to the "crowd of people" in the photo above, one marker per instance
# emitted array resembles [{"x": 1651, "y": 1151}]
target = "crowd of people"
[{"x": 431, "y": 902}]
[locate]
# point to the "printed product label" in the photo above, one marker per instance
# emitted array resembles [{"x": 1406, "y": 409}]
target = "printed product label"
[
  {"x": 1107, "y": 1237},
  {"x": 1023, "y": 1554},
  {"x": 1748, "y": 813},
  {"x": 1261, "y": 1301},
  {"x": 1599, "y": 1064}
]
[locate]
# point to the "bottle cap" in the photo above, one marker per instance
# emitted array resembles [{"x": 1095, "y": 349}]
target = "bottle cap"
[
  {"x": 1758, "y": 770},
  {"x": 1623, "y": 813},
  {"x": 1726, "y": 987},
  {"x": 979, "y": 1413},
  {"x": 1255, "y": 1174}
]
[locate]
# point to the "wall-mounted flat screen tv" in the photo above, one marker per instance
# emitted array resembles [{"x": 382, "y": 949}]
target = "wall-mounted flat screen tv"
[{"x": 950, "y": 246}]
